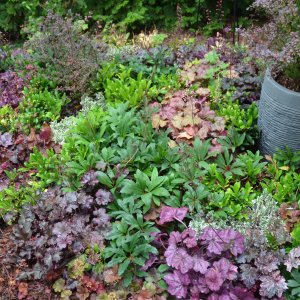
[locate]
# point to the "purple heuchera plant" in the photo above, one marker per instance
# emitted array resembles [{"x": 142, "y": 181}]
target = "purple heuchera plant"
[
  {"x": 203, "y": 266},
  {"x": 57, "y": 227},
  {"x": 11, "y": 87}
]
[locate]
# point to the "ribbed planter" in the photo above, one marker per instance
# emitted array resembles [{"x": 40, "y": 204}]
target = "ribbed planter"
[{"x": 279, "y": 117}]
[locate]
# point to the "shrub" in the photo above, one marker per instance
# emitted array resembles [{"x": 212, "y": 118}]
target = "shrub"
[{"x": 66, "y": 55}]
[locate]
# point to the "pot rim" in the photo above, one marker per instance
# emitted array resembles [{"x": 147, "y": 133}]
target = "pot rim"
[{"x": 273, "y": 81}]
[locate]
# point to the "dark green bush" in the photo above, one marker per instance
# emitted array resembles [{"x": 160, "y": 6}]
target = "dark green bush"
[{"x": 130, "y": 14}]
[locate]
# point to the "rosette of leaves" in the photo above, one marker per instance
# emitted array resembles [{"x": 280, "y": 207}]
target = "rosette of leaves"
[
  {"x": 57, "y": 228},
  {"x": 189, "y": 117},
  {"x": 204, "y": 267}
]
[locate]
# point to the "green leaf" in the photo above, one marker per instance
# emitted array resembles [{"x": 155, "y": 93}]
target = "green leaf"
[
  {"x": 163, "y": 268},
  {"x": 104, "y": 179},
  {"x": 139, "y": 261},
  {"x": 123, "y": 266},
  {"x": 161, "y": 192},
  {"x": 147, "y": 198},
  {"x": 296, "y": 291},
  {"x": 127, "y": 279},
  {"x": 141, "y": 273},
  {"x": 59, "y": 285},
  {"x": 293, "y": 283}
]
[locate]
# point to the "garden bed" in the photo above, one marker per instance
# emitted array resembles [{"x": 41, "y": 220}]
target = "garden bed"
[{"x": 129, "y": 169}]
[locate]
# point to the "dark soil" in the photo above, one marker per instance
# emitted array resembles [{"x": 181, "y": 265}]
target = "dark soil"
[{"x": 287, "y": 82}]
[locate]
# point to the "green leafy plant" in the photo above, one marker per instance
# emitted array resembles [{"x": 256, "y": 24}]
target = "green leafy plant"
[
  {"x": 7, "y": 115},
  {"x": 45, "y": 167},
  {"x": 233, "y": 140},
  {"x": 130, "y": 247},
  {"x": 38, "y": 107},
  {"x": 123, "y": 88},
  {"x": 294, "y": 284},
  {"x": 251, "y": 165},
  {"x": 148, "y": 190},
  {"x": 13, "y": 198},
  {"x": 287, "y": 157}
]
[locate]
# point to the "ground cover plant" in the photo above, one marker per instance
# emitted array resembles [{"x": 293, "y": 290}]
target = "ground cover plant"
[{"x": 129, "y": 167}]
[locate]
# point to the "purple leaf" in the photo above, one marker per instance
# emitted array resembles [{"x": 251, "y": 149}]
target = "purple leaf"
[
  {"x": 177, "y": 284},
  {"x": 212, "y": 240},
  {"x": 102, "y": 218},
  {"x": 149, "y": 263},
  {"x": 189, "y": 238},
  {"x": 226, "y": 268},
  {"x": 213, "y": 279},
  {"x": 11, "y": 87},
  {"x": 293, "y": 259},
  {"x": 103, "y": 197},
  {"x": 273, "y": 285},
  {"x": 200, "y": 265},
  {"x": 202, "y": 286},
  {"x": 242, "y": 293},
  {"x": 234, "y": 240},
  {"x": 169, "y": 214},
  {"x": 90, "y": 178},
  {"x": 178, "y": 258},
  {"x": 175, "y": 238},
  {"x": 61, "y": 229},
  {"x": 248, "y": 274}
]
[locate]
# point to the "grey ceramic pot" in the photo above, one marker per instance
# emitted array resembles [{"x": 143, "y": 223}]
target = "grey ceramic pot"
[{"x": 279, "y": 117}]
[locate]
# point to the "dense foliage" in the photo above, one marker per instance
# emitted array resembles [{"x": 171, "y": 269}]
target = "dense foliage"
[{"x": 130, "y": 14}]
